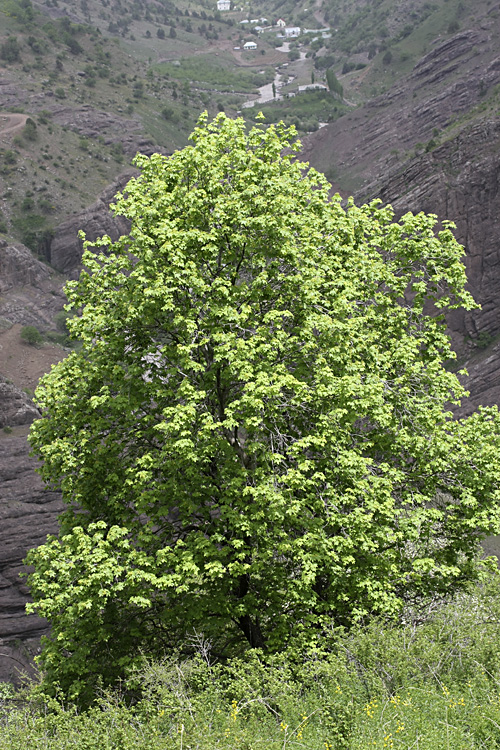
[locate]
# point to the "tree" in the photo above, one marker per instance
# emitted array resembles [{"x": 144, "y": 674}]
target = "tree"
[
  {"x": 254, "y": 440},
  {"x": 30, "y": 132},
  {"x": 334, "y": 84},
  {"x": 10, "y": 50}
]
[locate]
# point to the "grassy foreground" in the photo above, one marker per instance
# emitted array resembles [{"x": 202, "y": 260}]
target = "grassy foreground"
[{"x": 430, "y": 686}]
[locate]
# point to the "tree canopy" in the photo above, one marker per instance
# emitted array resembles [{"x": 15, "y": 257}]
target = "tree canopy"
[{"x": 255, "y": 439}]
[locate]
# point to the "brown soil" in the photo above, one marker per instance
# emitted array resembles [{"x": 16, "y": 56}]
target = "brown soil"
[{"x": 23, "y": 364}]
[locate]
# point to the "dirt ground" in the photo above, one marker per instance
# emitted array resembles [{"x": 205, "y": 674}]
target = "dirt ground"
[{"x": 23, "y": 364}]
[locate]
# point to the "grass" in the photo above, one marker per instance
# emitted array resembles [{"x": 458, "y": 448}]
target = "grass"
[
  {"x": 432, "y": 686},
  {"x": 212, "y": 73},
  {"x": 301, "y": 110}
]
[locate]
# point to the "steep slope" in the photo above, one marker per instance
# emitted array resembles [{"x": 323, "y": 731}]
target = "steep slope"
[{"x": 432, "y": 143}]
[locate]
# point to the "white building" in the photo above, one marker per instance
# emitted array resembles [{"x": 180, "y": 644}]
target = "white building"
[
  {"x": 281, "y": 22},
  {"x": 223, "y": 4},
  {"x": 250, "y": 45},
  {"x": 292, "y": 31}
]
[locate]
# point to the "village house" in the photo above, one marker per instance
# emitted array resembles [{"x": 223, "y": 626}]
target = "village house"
[
  {"x": 280, "y": 22},
  {"x": 250, "y": 45},
  {"x": 223, "y": 4},
  {"x": 292, "y": 31}
]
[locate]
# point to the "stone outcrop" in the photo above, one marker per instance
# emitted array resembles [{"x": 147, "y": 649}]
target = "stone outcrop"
[
  {"x": 92, "y": 123},
  {"x": 30, "y": 291},
  {"x": 15, "y": 406},
  {"x": 28, "y": 512},
  {"x": 459, "y": 181},
  {"x": 66, "y": 247},
  {"x": 18, "y": 267}
]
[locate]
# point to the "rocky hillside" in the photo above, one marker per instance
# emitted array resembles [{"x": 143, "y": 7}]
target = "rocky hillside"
[
  {"x": 93, "y": 82},
  {"x": 432, "y": 143}
]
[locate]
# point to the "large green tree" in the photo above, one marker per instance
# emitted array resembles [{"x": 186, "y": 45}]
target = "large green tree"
[{"x": 254, "y": 440}]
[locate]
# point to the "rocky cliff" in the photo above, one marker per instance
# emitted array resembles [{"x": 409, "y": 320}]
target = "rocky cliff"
[
  {"x": 445, "y": 88},
  {"x": 65, "y": 250},
  {"x": 30, "y": 294},
  {"x": 28, "y": 512},
  {"x": 432, "y": 143}
]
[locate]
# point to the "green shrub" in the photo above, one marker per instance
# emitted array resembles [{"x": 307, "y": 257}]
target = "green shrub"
[
  {"x": 10, "y": 50},
  {"x": 31, "y": 335},
  {"x": 432, "y": 686},
  {"x": 30, "y": 130}
]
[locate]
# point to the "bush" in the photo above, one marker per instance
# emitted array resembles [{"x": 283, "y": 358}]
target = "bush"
[
  {"x": 9, "y": 157},
  {"x": 378, "y": 687},
  {"x": 30, "y": 132},
  {"x": 10, "y": 50},
  {"x": 31, "y": 335}
]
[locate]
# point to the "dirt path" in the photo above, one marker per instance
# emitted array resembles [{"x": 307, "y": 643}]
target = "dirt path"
[{"x": 11, "y": 123}]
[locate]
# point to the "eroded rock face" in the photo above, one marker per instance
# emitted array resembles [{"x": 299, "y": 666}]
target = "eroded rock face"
[
  {"x": 15, "y": 406},
  {"x": 28, "y": 512},
  {"x": 66, "y": 248},
  {"x": 30, "y": 292},
  {"x": 459, "y": 181},
  {"x": 93, "y": 123},
  {"x": 450, "y": 80},
  {"x": 398, "y": 147},
  {"x": 19, "y": 267}
]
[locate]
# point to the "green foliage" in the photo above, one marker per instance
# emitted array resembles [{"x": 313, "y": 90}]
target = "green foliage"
[
  {"x": 30, "y": 132},
  {"x": 303, "y": 109},
  {"x": 33, "y": 230},
  {"x": 431, "y": 686},
  {"x": 10, "y": 50},
  {"x": 20, "y": 10},
  {"x": 169, "y": 113},
  {"x": 9, "y": 157},
  {"x": 254, "y": 440},
  {"x": 31, "y": 335},
  {"x": 220, "y": 73},
  {"x": 334, "y": 84}
]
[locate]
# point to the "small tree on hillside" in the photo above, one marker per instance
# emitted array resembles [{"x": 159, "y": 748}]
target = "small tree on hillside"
[
  {"x": 334, "y": 84},
  {"x": 254, "y": 440},
  {"x": 10, "y": 50}
]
